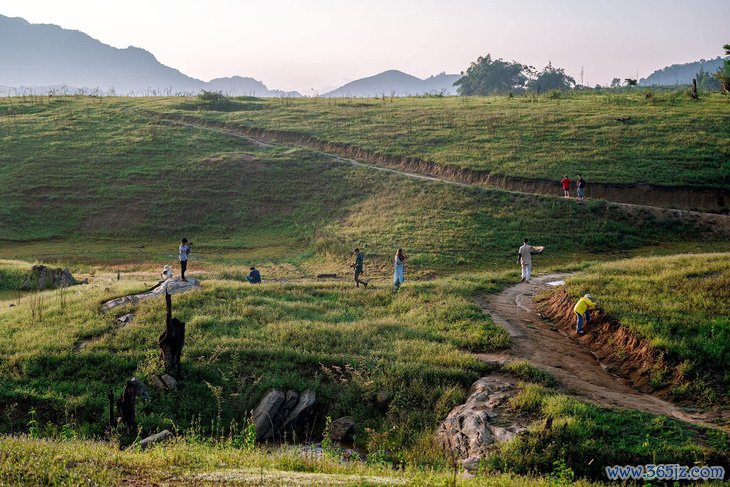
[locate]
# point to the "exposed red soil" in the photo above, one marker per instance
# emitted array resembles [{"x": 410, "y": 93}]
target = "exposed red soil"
[{"x": 712, "y": 200}]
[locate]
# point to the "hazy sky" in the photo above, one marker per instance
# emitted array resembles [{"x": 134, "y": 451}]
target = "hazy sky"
[{"x": 320, "y": 44}]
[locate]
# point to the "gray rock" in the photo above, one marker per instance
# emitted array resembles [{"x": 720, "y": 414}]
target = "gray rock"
[
  {"x": 265, "y": 416},
  {"x": 151, "y": 440},
  {"x": 126, "y": 319},
  {"x": 42, "y": 277},
  {"x": 471, "y": 429},
  {"x": 342, "y": 429},
  {"x": 303, "y": 409},
  {"x": 156, "y": 383},
  {"x": 170, "y": 382}
]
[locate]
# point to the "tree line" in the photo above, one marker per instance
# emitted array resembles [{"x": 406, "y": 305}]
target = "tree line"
[{"x": 487, "y": 76}]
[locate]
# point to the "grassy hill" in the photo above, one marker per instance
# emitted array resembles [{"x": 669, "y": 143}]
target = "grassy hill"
[
  {"x": 104, "y": 184},
  {"x": 662, "y": 138},
  {"x": 85, "y": 179}
]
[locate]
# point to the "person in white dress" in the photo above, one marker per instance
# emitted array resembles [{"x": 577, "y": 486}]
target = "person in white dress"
[
  {"x": 400, "y": 259},
  {"x": 525, "y": 259}
]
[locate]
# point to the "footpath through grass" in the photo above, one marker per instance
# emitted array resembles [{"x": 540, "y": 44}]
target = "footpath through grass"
[
  {"x": 680, "y": 304},
  {"x": 663, "y": 138}
]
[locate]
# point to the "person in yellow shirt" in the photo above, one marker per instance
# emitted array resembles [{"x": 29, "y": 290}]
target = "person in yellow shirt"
[{"x": 583, "y": 312}]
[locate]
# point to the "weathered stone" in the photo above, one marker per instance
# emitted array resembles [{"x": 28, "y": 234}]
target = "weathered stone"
[
  {"x": 126, "y": 319},
  {"x": 265, "y": 415},
  {"x": 342, "y": 429},
  {"x": 42, "y": 277},
  {"x": 471, "y": 429},
  {"x": 326, "y": 276},
  {"x": 301, "y": 413},
  {"x": 152, "y": 439},
  {"x": 290, "y": 401},
  {"x": 170, "y": 382},
  {"x": 156, "y": 383}
]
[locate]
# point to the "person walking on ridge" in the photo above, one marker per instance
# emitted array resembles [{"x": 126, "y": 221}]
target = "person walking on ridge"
[
  {"x": 184, "y": 251},
  {"x": 358, "y": 266},
  {"x": 581, "y": 187},
  {"x": 524, "y": 258},
  {"x": 400, "y": 259},
  {"x": 583, "y": 312},
  {"x": 566, "y": 186}
]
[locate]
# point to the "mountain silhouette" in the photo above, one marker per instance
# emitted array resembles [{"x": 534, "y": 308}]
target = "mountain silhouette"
[
  {"x": 43, "y": 56},
  {"x": 396, "y": 83},
  {"x": 681, "y": 74}
]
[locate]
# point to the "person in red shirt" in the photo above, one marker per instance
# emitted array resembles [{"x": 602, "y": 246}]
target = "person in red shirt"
[{"x": 566, "y": 186}]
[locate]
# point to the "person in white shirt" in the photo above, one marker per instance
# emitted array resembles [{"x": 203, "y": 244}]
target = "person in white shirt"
[
  {"x": 400, "y": 259},
  {"x": 184, "y": 251},
  {"x": 525, "y": 259}
]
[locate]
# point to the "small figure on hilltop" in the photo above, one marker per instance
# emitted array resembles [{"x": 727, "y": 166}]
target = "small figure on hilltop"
[
  {"x": 400, "y": 258},
  {"x": 358, "y": 266},
  {"x": 581, "y": 187},
  {"x": 254, "y": 276},
  {"x": 583, "y": 312},
  {"x": 184, "y": 252},
  {"x": 566, "y": 186},
  {"x": 524, "y": 258}
]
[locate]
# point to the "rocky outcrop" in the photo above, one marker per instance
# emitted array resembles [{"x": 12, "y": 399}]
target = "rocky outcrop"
[
  {"x": 163, "y": 382},
  {"x": 42, "y": 277},
  {"x": 172, "y": 286},
  {"x": 281, "y": 412},
  {"x": 342, "y": 430},
  {"x": 470, "y": 430}
]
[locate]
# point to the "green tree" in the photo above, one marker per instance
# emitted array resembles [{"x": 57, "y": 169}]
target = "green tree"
[
  {"x": 551, "y": 78},
  {"x": 488, "y": 77},
  {"x": 631, "y": 82},
  {"x": 706, "y": 81},
  {"x": 723, "y": 74}
]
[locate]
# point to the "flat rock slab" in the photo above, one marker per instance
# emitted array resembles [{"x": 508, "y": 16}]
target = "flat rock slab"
[{"x": 173, "y": 286}]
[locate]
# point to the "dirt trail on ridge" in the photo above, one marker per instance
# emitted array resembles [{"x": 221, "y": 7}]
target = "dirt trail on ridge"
[{"x": 568, "y": 361}]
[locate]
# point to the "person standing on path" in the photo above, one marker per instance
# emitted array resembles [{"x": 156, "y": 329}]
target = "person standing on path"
[
  {"x": 581, "y": 187},
  {"x": 358, "y": 266},
  {"x": 524, "y": 257},
  {"x": 400, "y": 259},
  {"x": 583, "y": 312},
  {"x": 566, "y": 186},
  {"x": 184, "y": 251}
]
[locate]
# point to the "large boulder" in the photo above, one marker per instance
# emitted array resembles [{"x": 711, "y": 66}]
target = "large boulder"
[
  {"x": 42, "y": 277},
  {"x": 279, "y": 411},
  {"x": 156, "y": 438},
  {"x": 342, "y": 430},
  {"x": 470, "y": 430}
]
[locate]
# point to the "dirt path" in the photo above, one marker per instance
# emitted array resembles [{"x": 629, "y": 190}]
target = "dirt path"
[
  {"x": 714, "y": 221},
  {"x": 569, "y": 362}
]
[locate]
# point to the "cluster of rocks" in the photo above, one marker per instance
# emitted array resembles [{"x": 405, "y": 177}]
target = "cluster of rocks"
[
  {"x": 281, "y": 412},
  {"x": 42, "y": 277},
  {"x": 163, "y": 382},
  {"x": 473, "y": 428}
]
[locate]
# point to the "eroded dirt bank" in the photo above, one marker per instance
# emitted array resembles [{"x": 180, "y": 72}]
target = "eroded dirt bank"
[
  {"x": 572, "y": 363},
  {"x": 712, "y": 200}
]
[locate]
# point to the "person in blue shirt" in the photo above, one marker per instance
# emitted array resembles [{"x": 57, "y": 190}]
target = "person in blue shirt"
[{"x": 254, "y": 277}]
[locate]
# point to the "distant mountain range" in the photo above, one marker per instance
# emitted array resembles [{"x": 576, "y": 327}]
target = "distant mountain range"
[
  {"x": 41, "y": 57},
  {"x": 680, "y": 74},
  {"x": 397, "y": 83}
]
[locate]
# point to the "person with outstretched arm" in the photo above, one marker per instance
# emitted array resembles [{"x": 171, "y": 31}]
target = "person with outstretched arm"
[
  {"x": 524, "y": 258},
  {"x": 582, "y": 311},
  {"x": 184, "y": 251},
  {"x": 400, "y": 258},
  {"x": 254, "y": 276},
  {"x": 358, "y": 266}
]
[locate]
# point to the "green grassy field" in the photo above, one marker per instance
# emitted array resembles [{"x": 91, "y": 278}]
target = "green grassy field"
[
  {"x": 678, "y": 303},
  {"x": 669, "y": 139},
  {"x": 100, "y": 185},
  {"x": 118, "y": 186}
]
